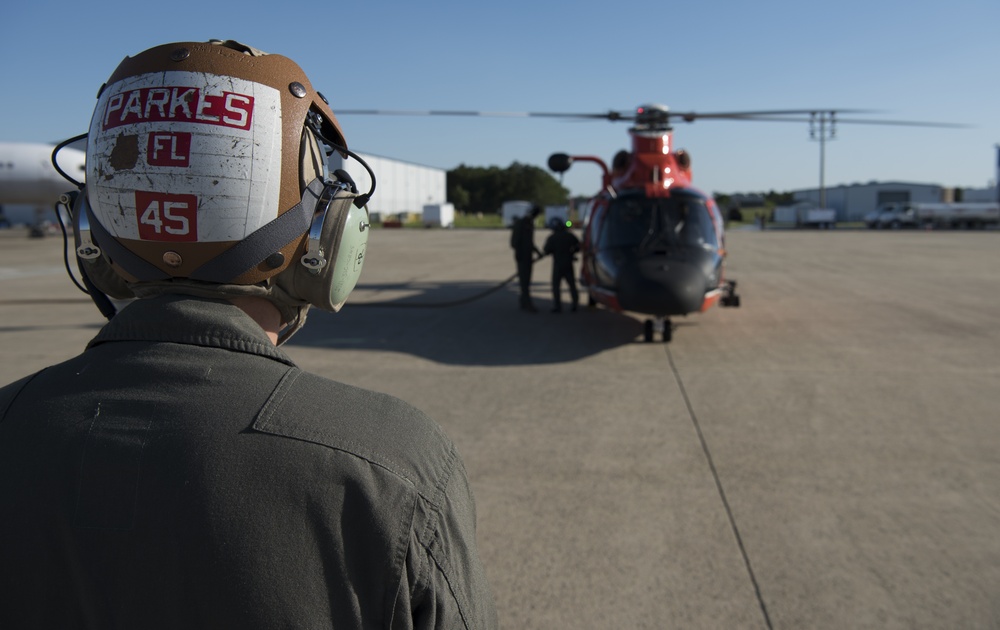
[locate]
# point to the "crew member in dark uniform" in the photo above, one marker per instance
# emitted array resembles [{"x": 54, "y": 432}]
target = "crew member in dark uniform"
[
  {"x": 182, "y": 471},
  {"x": 522, "y": 239},
  {"x": 563, "y": 246}
]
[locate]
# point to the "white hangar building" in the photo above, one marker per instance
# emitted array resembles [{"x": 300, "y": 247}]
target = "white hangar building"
[{"x": 400, "y": 187}]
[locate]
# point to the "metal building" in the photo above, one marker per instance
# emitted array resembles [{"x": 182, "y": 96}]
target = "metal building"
[
  {"x": 853, "y": 202},
  {"x": 402, "y": 188},
  {"x": 980, "y": 194}
]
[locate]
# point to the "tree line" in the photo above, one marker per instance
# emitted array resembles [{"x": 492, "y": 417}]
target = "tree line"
[
  {"x": 478, "y": 189},
  {"x": 753, "y": 200},
  {"x": 483, "y": 189}
]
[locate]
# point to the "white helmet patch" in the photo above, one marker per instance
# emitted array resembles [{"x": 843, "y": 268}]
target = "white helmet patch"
[{"x": 185, "y": 157}]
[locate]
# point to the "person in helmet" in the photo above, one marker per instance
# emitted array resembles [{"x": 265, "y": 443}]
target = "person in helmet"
[
  {"x": 562, "y": 245},
  {"x": 620, "y": 168},
  {"x": 522, "y": 240},
  {"x": 182, "y": 472}
]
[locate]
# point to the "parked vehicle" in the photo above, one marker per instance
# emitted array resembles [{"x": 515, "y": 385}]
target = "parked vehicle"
[
  {"x": 511, "y": 211},
  {"x": 806, "y": 215},
  {"x": 556, "y": 214},
  {"x": 439, "y": 215},
  {"x": 899, "y": 215}
]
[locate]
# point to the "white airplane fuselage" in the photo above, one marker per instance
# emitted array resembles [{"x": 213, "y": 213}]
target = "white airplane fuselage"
[{"x": 28, "y": 177}]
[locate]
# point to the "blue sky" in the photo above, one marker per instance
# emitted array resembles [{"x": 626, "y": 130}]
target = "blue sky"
[{"x": 909, "y": 61}]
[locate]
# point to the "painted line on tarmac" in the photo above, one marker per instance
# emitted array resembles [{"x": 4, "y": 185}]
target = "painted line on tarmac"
[{"x": 721, "y": 490}]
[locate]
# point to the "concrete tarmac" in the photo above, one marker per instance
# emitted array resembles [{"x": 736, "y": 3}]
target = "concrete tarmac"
[{"x": 825, "y": 456}]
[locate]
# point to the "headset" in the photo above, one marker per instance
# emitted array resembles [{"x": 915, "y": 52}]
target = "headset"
[
  {"x": 206, "y": 176},
  {"x": 337, "y": 231}
]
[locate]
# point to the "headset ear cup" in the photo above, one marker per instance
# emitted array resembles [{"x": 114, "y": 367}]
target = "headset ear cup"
[
  {"x": 343, "y": 241},
  {"x": 97, "y": 269}
]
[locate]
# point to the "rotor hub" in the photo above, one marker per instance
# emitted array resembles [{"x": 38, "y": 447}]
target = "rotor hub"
[{"x": 652, "y": 117}]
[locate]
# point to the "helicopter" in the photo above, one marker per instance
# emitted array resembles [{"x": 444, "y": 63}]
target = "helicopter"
[{"x": 653, "y": 244}]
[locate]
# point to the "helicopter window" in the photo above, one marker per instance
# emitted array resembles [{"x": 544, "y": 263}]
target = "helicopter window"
[
  {"x": 595, "y": 223},
  {"x": 693, "y": 223},
  {"x": 659, "y": 224},
  {"x": 628, "y": 222}
]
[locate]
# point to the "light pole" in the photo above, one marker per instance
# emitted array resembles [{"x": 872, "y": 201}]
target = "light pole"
[
  {"x": 997, "y": 174},
  {"x": 822, "y": 127}
]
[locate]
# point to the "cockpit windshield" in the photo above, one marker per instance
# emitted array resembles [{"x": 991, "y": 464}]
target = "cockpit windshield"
[{"x": 659, "y": 225}]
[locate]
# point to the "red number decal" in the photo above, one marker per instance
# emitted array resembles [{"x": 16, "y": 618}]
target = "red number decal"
[{"x": 166, "y": 217}]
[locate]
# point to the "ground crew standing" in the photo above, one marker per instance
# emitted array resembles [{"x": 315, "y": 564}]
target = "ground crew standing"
[
  {"x": 522, "y": 239},
  {"x": 182, "y": 472},
  {"x": 562, "y": 245}
]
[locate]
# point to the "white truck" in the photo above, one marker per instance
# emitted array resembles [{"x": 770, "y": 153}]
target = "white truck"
[
  {"x": 934, "y": 215},
  {"x": 510, "y": 211},
  {"x": 805, "y": 215},
  {"x": 439, "y": 215},
  {"x": 556, "y": 214}
]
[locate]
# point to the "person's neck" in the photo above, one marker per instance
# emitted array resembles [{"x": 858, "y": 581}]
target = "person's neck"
[{"x": 263, "y": 312}]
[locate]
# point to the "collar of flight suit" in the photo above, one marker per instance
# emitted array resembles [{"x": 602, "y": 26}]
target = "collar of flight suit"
[{"x": 190, "y": 320}]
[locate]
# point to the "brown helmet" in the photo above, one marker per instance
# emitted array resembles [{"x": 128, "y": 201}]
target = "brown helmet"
[{"x": 196, "y": 151}]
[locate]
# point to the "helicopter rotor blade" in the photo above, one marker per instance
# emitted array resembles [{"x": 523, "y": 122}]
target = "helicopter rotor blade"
[
  {"x": 850, "y": 121},
  {"x": 609, "y": 115},
  {"x": 777, "y": 115},
  {"x": 754, "y": 114},
  {"x": 906, "y": 123}
]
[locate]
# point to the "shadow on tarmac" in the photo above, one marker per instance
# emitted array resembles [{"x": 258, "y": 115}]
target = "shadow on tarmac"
[{"x": 468, "y": 323}]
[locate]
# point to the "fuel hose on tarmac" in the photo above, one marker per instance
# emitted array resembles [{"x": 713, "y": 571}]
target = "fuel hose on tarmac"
[{"x": 465, "y": 300}]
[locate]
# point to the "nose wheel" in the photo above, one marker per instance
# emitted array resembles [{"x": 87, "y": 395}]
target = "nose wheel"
[
  {"x": 659, "y": 326},
  {"x": 729, "y": 295}
]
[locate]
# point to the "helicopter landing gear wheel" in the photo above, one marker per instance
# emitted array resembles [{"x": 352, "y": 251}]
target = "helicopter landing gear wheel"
[
  {"x": 661, "y": 326},
  {"x": 729, "y": 296}
]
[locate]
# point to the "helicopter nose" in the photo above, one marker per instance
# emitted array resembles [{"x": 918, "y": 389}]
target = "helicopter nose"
[{"x": 662, "y": 287}]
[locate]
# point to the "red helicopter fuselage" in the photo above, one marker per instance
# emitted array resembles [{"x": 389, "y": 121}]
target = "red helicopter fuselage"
[{"x": 652, "y": 243}]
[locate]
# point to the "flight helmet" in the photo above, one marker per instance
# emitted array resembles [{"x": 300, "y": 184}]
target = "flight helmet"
[{"x": 206, "y": 175}]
